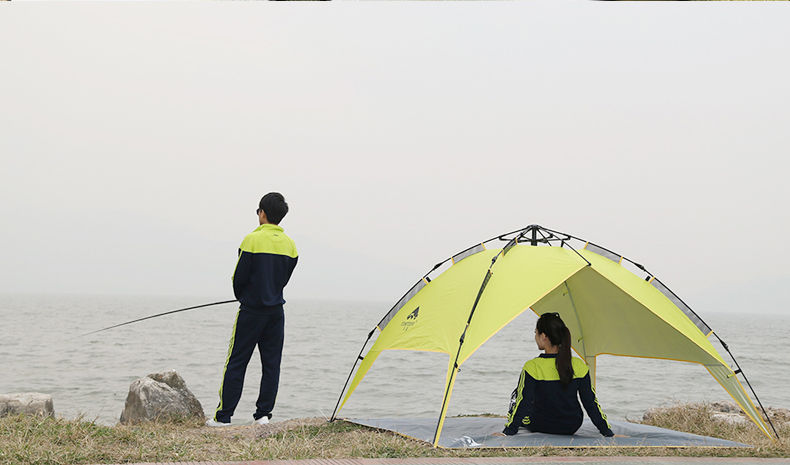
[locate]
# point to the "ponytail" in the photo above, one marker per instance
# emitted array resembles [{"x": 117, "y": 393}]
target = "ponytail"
[
  {"x": 552, "y": 326},
  {"x": 564, "y": 361}
]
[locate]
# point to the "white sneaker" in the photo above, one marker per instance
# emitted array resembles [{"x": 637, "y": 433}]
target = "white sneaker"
[
  {"x": 261, "y": 421},
  {"x": 215, "y": 424}
]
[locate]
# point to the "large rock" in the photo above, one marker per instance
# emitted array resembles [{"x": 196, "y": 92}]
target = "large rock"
[
  {"x": 28, "y": 403},
  {"x": 160, "y": 396}
]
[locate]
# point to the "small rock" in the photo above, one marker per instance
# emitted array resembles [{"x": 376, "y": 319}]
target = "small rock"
[
  {"x": 28, "y": 403},
  {"x": 652, "y": 412},
  {"x": 725, "y": 406},
  {"x": 730, "y": 418},
  {"x": 160, "y": 396},
  {"x": 777, "y": 414}
]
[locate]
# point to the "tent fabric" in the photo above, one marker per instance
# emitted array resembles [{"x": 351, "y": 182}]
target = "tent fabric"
[
  {"x": 608, "y": 309},
  {"x": 475, "y": 432},
  {"x": 443, "y": 305}
]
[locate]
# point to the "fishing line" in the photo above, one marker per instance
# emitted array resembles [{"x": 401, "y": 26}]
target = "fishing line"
[{"x": 157, "y": 315}]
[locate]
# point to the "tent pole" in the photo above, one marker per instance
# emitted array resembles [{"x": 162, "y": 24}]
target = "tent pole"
[
  {"x": 447, "y": 392},
  {"x": 765, "y": 412},
  {"x": 576, "y": 314},
  {"x": 359, "y": 357},
  {"x": 458, "y": 354},
  {"x": 501, "y": 237},
  {"x": 370, "y": 335}
]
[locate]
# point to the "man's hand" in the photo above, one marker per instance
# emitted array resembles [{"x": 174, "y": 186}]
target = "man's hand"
[{"x": 497, "y": 434}]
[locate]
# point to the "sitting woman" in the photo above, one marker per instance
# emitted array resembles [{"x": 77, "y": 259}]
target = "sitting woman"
[{"x": 545, "y": 400}]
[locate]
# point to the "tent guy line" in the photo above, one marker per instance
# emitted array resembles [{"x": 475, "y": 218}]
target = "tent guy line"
[{"x": 611, "y": 310}]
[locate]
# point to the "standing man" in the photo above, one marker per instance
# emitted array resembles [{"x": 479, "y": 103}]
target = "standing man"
[{"x": 267, "y": 258}]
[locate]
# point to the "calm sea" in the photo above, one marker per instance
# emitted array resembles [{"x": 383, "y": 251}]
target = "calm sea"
[{"x": 90, "y": 376}]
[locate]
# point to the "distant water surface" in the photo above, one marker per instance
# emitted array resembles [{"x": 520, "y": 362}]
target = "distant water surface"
[{"x": 90, "y": 375}]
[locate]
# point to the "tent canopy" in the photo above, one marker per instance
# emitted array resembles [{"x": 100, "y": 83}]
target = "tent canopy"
[{"x": 608, "y": 309}]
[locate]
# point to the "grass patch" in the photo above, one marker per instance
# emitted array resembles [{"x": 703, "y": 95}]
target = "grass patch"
[
  {"x": 695, "y": 418},
  {"x": 29, "y": 440}
]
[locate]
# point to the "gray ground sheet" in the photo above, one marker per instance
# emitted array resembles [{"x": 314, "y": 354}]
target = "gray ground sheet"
[{"x": 476, "y": 432}]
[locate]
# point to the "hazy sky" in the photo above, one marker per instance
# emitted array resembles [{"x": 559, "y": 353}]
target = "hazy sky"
[{"x": 137, "y": 138}]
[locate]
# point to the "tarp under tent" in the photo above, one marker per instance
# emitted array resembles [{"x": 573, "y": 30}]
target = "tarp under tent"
[
  {"x": 475, "y": 432},
  {"x": 608, "y": 309}
]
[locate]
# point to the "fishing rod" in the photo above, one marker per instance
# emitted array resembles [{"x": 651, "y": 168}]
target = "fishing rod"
[{"x": 157, "y": 315}]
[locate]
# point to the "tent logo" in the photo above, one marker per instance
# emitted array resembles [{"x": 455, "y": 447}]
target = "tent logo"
[{"x": 411, "y": 319}]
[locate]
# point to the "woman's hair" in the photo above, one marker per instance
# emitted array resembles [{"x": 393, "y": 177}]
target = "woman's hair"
[{"x": 554, "y": 328}]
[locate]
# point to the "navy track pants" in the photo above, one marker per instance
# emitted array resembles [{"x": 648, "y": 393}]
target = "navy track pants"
[{"x": 267, "y": 331}]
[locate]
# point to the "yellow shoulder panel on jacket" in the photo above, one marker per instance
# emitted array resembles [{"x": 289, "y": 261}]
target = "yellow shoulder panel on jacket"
[
  {"x": 542, "y": 369},
  {"x": 270, "y": 240},
  {"x": 580, "y": 369}
]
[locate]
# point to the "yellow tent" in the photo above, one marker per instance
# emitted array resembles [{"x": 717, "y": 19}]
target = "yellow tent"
[{"x": 608, "y": 309}]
